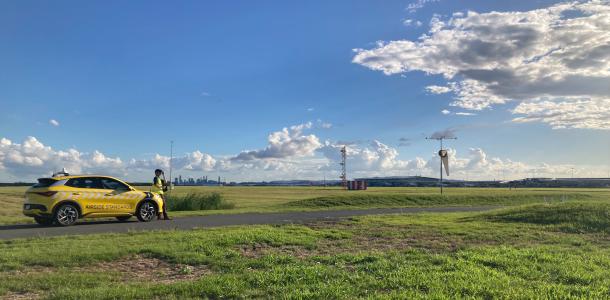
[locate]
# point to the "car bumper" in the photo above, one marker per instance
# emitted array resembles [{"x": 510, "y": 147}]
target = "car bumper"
[{"x": 35, "y": 210}]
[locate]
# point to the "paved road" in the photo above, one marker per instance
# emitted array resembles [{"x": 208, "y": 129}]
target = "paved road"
[{"x": 186, "y": 223}]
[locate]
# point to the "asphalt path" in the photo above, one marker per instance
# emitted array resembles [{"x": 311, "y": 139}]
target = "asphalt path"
[{"x": 187, "y": 223}]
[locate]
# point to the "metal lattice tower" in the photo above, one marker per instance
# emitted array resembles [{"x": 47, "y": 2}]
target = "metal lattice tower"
[{"x": 343, "y": 167}]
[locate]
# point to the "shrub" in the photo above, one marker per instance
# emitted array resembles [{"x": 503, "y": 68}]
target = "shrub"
[{"x": 197, "y": 201}]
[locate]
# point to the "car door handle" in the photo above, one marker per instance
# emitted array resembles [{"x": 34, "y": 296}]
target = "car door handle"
[
  {"x": 109, "y": 194},
  {"x": 76, "y": 194}
]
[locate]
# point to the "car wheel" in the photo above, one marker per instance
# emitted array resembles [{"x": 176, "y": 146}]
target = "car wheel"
[
  {"x": 147, "y": 211},
  {"x": 66, "y": 215},
  {"x": 43, "y": 221},
  {"x": 123, "y": 218}
]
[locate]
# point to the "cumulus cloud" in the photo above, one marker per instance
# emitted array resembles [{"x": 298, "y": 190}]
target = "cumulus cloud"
[
  {"x": 553, "y": 61},
  {"x": 374, "y": 157},
  {"x": 445, "y": 111},
  {"x": 378, "y": 159},
  {"x": 33, "y": 158},
  {"x": 289, "y": 142},
  {"x": 54, "y": 122}
]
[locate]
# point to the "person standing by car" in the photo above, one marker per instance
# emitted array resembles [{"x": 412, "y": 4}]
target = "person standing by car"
[{"x": 159, "y": 186}]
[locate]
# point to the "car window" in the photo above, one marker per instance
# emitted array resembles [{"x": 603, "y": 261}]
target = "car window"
[
  {"x": 112, "y": 184},
  {"x": 84, "y": 183},
  {"x": 44, "y": 182}
]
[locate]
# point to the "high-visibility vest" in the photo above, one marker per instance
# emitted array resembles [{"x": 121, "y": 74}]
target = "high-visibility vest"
[{"x": 157, "y": 186}]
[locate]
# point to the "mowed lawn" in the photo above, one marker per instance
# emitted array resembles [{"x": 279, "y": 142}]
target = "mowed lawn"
[
  {"x": 542, "y": 251},
  {"x": 275, "y": 199}
]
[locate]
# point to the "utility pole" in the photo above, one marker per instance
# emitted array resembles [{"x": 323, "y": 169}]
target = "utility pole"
[
  {"x": 171, "y": 157},
  {"x": 343, "y": 167},
  {"x": 441, "y": 138},
  {"x": 572, "y": 172}
]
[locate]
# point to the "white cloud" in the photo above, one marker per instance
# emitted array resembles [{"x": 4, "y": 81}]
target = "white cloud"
[
  {"x": 411, "y": 22},
  {"x": 445, "y": 112},
  {"x": 289, "y": 142},
  {"x": 417, "y": 5},
  {"x": 552, "y": 61},
  {"x": 462, "y": 113},
  {"x": 31, "y": 159},
  {"x": 435, "y": 89},
  {"x": 374, "y": 158},
  {"x": 310, "y": 109},
  {"x": 588, "y": 113},
  {"x": 323, "y": 125},
  {"x": 54, "y": 122}
]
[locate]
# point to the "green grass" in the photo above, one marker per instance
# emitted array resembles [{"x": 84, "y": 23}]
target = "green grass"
[
  {"x": 394, "y": 200},
  {"x": 278, "y": 199},
  {"x": 523, "y": 252},
  {"x": 198, "y": 201},
  {"x": 569, "y": 217}
]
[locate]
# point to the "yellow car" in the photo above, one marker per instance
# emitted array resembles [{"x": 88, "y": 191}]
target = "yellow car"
[{"x": 64, "y": 199}]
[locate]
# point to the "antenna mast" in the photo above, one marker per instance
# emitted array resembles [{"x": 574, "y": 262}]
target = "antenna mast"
[
  {"x": 171, "y": 157},
  {"x": 440, "y": 153},
  {"x": 343, "y": 168}
]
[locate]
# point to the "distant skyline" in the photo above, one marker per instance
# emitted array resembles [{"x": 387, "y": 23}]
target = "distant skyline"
[{"x": 271, "y": 90}]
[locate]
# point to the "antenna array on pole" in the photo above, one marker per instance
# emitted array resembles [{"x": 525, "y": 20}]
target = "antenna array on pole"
[{"x": 343, "y": 167}]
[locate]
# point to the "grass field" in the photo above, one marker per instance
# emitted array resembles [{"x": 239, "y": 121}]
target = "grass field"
[
  {"x": 271, "y": 199},
  {"x": 555, "y": 251}
]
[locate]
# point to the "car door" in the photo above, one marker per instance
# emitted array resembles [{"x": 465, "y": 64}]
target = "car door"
[
  {"x": 119, "y": 198},
  {"x": 88, "y": 193}
]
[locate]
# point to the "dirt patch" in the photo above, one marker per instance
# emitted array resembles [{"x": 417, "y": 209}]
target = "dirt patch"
[
  {"x": 139, "y": 268},
  {"x": 20, "y": 296}
]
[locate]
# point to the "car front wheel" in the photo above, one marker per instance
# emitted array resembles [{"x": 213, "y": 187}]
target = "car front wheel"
[
  {"x": 66, "y": 215},
  {"x": 147, "y": 211}
]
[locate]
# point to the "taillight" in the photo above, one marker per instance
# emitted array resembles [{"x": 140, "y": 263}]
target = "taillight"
[{"x": 47, "y": 194}]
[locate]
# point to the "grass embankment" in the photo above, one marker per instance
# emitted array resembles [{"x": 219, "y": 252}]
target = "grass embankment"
[
  {"x": 398, "y": 200},
  {"x": 521, "y": 253}
]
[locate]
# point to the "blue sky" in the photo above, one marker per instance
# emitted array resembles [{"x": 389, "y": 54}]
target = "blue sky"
[{"x": 123, "y": 78}]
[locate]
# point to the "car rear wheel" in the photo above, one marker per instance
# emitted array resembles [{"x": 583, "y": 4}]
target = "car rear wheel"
[
  {"x": 43, "y": 221},
  {"x": 66, "y": 215},
  {"x": 123, "y": 218},
  {"x": 147, "y": 211}
]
